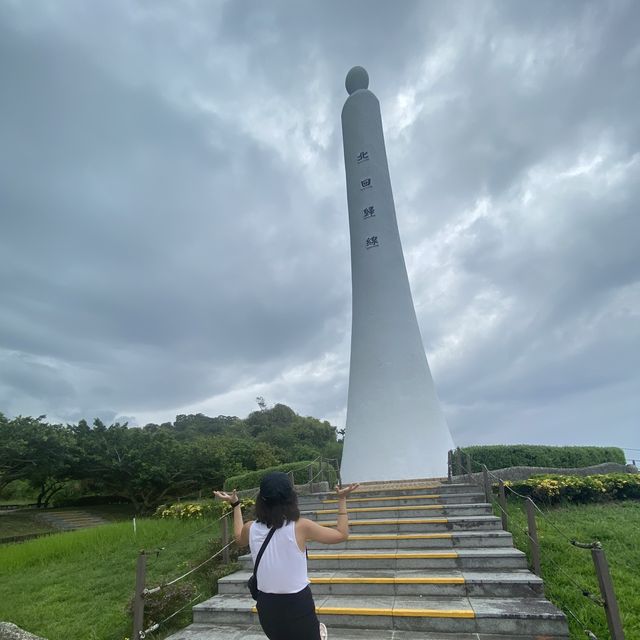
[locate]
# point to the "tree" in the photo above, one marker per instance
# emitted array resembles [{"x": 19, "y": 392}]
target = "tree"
[
  {"x": 23, "y": 447},
  {"x": 144, "y": 466},
  {"x": 57, "y": 466}
]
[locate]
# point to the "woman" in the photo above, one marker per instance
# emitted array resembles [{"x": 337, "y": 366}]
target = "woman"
[{"x": 285, "y": 605}]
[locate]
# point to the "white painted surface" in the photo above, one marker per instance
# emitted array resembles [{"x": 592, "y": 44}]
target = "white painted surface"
[{"x": 395, "y": 426}]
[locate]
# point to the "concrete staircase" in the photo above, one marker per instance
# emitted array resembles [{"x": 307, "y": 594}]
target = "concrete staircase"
[
  {"x": 71, "y": 519},
  {"x": 428, "y": 562}
]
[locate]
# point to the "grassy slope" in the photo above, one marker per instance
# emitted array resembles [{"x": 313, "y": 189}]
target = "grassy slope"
[
  {"x": 617, "y": 527},
  {"x": 76, "y": 586}
]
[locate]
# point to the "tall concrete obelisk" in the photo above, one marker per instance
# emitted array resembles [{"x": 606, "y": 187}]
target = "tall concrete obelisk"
[{"x": 395, "y": 427}]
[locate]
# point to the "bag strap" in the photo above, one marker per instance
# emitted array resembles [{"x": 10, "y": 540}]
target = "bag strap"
[{"x": 262, "y": 548}]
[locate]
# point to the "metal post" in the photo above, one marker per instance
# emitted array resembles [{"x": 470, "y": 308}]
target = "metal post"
[
  {"x": 532, "y": 530},
  {"x": 469, "y": 476},
  {"x": 338, "y": 475},
  {"x": 487, "y": 484},
  {"x": 292, "y": 479},
  {"x": 457, "y": 458},
  {"x": 321, "y": 472},
  {"x": 502, "y": 500},
  {"x": 449, "y": 466},
  {"x": 608, "y": 594},
  {"x": 226, "y": 556},
  {"x": 138, "y": 598},
  {"x": 310, "y": 478}
]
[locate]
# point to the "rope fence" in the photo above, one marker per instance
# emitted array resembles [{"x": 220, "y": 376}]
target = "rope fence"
[
  {"x": 157, "y": 625},
  {"x": 226, "y": 520},
  {"x": 607, "y": 599}
]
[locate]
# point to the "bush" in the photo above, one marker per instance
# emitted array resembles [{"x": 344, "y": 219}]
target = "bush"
[
  {"x": 580, "y": 489},
  {"x": 200, "y": 510},
  {"x": 526, "y": 455},
  {"x": 19, "y": 490},
  {"x": 246, "y": 504},
  {"x": 252, "y": 479},
  {"x": 190, "y": 510}
]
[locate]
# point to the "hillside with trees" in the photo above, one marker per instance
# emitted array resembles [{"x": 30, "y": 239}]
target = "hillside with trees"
[{"x": 152, "y": 464}]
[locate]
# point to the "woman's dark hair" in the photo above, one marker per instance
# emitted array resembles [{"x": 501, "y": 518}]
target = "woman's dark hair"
[{"x": 276, "y": 513}]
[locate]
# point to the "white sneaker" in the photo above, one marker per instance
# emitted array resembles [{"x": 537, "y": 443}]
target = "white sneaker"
[{"x": 324, "y": 634}]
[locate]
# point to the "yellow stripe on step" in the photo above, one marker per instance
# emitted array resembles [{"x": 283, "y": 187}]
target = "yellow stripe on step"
[
  {"x": 360, "y": 523},
  {"x": 414, "y": 613},
  {"x": 393, "y": 555},
  {"x": 434, "y": 613},
  {"x": 394, "y": 613},
  {"x": 415, "y": 497},
  {"x": 423, "y": 507},
  {"x": 433, "y": 580},
  {"x": 403, "y": 536}
]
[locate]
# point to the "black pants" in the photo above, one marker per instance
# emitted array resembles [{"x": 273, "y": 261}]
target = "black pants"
[{"x": 288, "y": 616}]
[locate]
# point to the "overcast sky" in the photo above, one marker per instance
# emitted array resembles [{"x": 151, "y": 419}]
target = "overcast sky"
[{"x": 173, "y": 223}]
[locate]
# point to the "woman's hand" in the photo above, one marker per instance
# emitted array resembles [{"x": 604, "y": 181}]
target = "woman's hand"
[
  {"x": 345, "y": 491},
  {"x": 227, "y": 497}
]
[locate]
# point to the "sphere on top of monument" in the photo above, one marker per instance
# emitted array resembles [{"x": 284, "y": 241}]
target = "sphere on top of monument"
[{"x": 356, "y": 79}]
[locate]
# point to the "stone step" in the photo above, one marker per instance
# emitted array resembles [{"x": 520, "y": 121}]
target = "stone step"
[
  {"x": 421, "y": 525},
  {"x": 507, "y": 616},
  {"x": 425, "y": 561},
  {"x": 367, "y": 559},
  {"x": 363, "y": 492},
  {"x": 452, "y": 582},
  {"x": 70, "y": 520},
  {"x": 443, "y": 540},
  {"x": 254, "y": 632},
  {"x": 386, "y": 501},
  {"x": 73, "y": 520},
  {"x": 408, "y": 511},
  {"x": 76, "y": 520}
]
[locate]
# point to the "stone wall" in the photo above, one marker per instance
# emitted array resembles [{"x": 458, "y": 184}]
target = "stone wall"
[{"x": 524, "y": 473}]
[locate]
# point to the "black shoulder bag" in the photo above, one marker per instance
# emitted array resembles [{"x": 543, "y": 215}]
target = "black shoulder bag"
[{"x": 252, "y": 582}]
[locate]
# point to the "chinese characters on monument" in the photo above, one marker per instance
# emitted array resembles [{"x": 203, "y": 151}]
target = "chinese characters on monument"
[{"x": 372, "y": 242}]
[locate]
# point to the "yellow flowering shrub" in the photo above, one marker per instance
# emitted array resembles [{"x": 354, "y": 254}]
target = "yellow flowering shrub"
[
  {"x": 199, "y": 510},
  {"x": 554, "y": 488},
  {"x": 189, "y": 510},
  {"x": 246, "y": 503}
]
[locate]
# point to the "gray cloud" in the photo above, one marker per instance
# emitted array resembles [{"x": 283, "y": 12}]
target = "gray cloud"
[{"x": 173, "y": 230}]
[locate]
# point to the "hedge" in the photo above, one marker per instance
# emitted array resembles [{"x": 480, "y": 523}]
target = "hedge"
[
  {"x": 553, "y": 489},
  {"x": 252, "y": 479},
  {"x": 502, "y": 456}
]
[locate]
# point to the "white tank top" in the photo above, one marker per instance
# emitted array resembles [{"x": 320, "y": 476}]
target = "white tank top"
[{"x": 283, "y": 567}]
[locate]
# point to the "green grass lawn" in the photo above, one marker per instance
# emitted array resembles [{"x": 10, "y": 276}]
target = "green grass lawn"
[
  {"x": 617, "y": 526},
  {"x": 76, "y": 586}
]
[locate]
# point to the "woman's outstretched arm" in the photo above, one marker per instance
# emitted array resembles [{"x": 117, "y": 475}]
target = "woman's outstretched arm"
[
  {"x": 311, "y": 530},
  {"x": 240, "y": 528}
]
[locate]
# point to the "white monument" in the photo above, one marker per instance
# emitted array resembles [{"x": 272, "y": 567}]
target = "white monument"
[{"x": 395, "y": 427}]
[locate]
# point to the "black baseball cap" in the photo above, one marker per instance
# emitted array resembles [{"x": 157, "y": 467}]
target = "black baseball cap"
[{"x": 276, "y": 487}]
